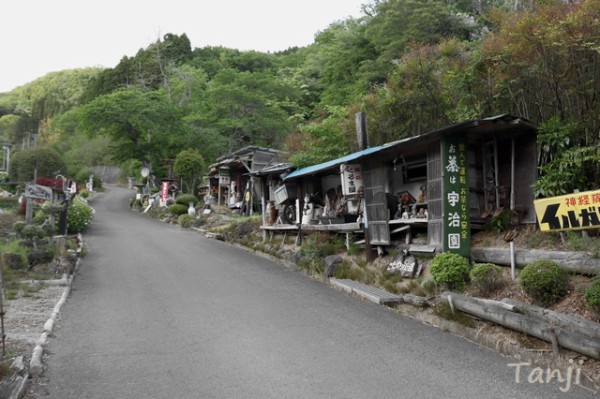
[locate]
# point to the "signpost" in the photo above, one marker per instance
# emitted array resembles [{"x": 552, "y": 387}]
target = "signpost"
[{"x": 35, "y": 191}]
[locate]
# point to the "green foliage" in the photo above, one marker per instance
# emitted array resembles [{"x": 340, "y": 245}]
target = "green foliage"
[
  {"x": 564, "y": 165},
  {"x": 79, "y": 216},
  {"x": 32, "y": 232},
  {"x": 185, "y": 199},
  {"x": 41, "y": 255},
  {"x": 486, "y": 278},
  {"x": 14, "y": 256},
  {"x": 177, "y": 209},
  {"x": 83, "y": 176},
  {"x": 592, "y": 295},
  {"x": 544, "y": 281},
  {"x": 323, "y": 141},
  {"x": 189, "y": 166},
  {"x": 9, "y": 202},
  {"x": 346, "y": 271},
  {"x": 23, "y": 164},
  {"x": 451, "y": 270},
  {"x": 186, "y": 220},
  {"x": 501, "y": 222},
  {"x": 140, "y": 124},
  {"x": 317, "y": 246}
]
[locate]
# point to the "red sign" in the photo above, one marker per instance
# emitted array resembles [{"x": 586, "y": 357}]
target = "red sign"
[{"x": 164, "y": 192}]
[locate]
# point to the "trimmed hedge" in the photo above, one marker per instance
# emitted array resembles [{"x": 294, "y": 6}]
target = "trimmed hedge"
[
  {"x": 544, "y": 281},
  {"x": 486, "y": 278},
  {"x": 178, "y": 209},
  {"x": 451, "y": 270},
  {"x": 185, "y": 199},
  {"x": 592, "y": 296}
]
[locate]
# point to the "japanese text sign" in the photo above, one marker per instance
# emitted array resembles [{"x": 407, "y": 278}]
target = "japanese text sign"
[
  {"x": 577, "y": 211},
  {"x": 456, "y": 220},
  {"x": 352, "y": 182}
]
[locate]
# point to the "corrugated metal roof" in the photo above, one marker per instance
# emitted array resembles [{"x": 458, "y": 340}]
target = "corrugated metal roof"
[
  {"x": 463, "y": 126},
  {"x": 333, "y": 163}
]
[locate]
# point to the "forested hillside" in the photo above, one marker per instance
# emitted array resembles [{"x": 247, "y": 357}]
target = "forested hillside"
[{"x": 412, "y": 65}]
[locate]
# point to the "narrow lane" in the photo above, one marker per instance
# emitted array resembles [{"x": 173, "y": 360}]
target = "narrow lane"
[{"x": 161, "y": 312}]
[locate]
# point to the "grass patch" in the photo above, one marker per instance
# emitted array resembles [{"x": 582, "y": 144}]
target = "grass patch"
[{"x": 444, "y": 311}]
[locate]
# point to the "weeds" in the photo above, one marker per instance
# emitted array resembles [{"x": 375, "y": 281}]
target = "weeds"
[{"x": 444, "y": 311}]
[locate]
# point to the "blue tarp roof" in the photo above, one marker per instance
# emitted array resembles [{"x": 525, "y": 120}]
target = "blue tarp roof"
[{"x": 333, "y": 163}]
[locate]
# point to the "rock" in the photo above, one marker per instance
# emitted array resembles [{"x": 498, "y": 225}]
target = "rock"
[
  {"x": 330, "y": 263},
  {"x": 244, "y": 229}
]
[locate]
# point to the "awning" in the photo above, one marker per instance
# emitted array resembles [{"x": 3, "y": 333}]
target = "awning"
[{"x": 314, "y": 169}]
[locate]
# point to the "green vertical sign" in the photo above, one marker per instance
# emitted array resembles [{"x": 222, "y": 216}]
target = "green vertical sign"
[{"x": 457, "y": 224}]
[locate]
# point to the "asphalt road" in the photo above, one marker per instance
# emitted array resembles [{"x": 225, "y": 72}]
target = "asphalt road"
[{"x": 161, "y": 312}]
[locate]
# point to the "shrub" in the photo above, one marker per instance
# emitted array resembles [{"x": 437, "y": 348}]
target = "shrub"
[
  {"x": 79, "y": 216},
  {"x": 178, "y": 209},
  {"x": 186, "y": 220},
  {"x": 9, "y": 202},
  {"x": 486, "y": 278},
  {"x": 14, "y": 256},
  {"x": 32, "y": 232},
  {"x": 83, "y": 177},
  {"x": 19, "y": 226},
  {"x": 544, "y": 281},
  {"x": 24, "y": 163},
  {"x": 185, "y": 199},
  {"x": 451, "y": 270},
  {"x": 41, "y": 255},
  {"x": 592, "y": 295}
]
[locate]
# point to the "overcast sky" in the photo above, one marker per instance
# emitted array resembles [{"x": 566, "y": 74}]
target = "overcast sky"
[{"x": 41, "y": 36}]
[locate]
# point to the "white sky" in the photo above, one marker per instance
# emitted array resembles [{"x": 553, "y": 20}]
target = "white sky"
[{"x": 41, "y": 36}]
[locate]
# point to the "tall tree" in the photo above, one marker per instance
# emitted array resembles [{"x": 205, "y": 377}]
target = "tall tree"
[
  {"x": 248, "y": 108},
  {"x": 189, "y": 166},
  {"x": 142, "y": 125}
]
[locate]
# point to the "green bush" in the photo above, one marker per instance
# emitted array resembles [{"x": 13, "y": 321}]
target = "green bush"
[
  {"x": 9, "y": 202},
  {"x": 592, "y": 295},
  {"x": 544, "y": 281},
  {"x": 32, "y": 232},
  {"x": 186, "y": 220},
  {"x": 41, "y": 255},
  {"x": 83, "y": 176},
  {"x": 178, "y": 209},
  {"x": 486, "y": 278},
  {"x": 14, "y": 256},
  {"x": 19, "y": 226},
  {"x": 451, "y": 270},
  {"x": 79, "y": 216},
  {"x": 185, "y": 199}
]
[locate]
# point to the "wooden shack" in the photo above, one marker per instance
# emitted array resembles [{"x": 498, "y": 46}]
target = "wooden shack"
[
  {"x": 231, "y": 178},
  {"x": 439, "y": 185}
]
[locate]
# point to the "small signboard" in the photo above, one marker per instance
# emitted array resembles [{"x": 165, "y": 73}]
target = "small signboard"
[
  {"x": 224, "y": 178},
  {"x": 35, "y": 191},
  {"x": 352, "y": 182},
  {"x": 577, "y": 211}
]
